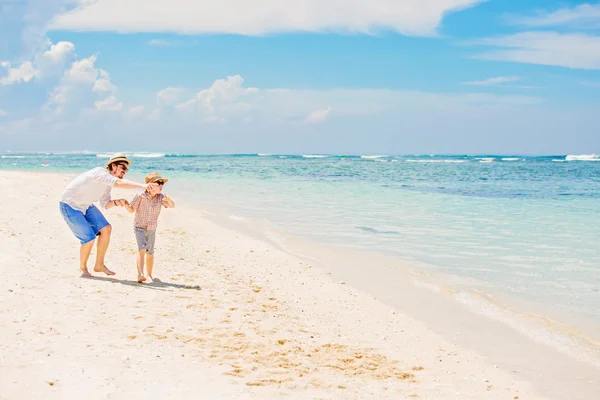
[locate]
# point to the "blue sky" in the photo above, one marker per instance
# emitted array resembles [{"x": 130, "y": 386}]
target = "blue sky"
[{"x": 408, "y": 76}]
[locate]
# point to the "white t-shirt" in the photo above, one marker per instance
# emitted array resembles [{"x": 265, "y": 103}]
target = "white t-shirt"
[{"x": 89, "y": 187}]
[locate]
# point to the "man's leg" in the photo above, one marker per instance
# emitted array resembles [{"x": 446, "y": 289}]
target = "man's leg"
[
  {"x": 103, "y": 242},
  {"x": 84, "y": 255},
  {"x": 140, "y": 265},
  {"x": 103, "y": 229},
  {"x": 83, "y": 231}
]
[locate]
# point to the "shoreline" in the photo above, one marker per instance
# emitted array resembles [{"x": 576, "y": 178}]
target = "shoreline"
[
  {"x": 510, "y": 338},
  {"x": 251, "y": 293},
  {"x": 522, "y": 315}
]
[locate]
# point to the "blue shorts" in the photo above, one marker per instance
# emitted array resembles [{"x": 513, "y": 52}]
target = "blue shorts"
[{"x": 84, "y": 226}]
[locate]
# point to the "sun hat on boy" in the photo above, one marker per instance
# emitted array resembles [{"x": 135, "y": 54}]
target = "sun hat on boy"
[
  {"x": 118, "y": 157},
  {"x": 155, "y": 177}
]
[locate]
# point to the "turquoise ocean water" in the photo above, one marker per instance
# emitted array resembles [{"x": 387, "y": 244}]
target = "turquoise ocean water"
[{"x": 523, "y": 226}]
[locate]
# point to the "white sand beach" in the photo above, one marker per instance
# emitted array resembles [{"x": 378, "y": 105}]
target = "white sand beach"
[{"x": 233, "y": 318}]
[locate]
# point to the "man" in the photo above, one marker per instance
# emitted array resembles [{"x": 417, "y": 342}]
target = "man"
[{"x": 82, "y": 216}]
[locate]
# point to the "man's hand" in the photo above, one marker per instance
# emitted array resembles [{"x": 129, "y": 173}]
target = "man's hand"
[
  {"x": 151, "y": 186},
  {"x": 122, "y": 202}
]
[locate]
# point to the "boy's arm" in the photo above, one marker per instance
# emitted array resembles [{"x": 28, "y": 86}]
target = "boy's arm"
[
  {"x": 131, "y": 207},
  {"x": 167, "y": 202}
]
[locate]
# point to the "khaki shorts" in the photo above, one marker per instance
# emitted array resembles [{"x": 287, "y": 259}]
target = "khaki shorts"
[{"x": 145, "y": 239}]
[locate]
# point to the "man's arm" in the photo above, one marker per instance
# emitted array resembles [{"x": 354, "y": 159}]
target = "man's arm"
[
  {"x": 117, "y": 203},
  {"x": 126, "y": 184},
  {"x": 106, "y": 202},
  {"x": 105, "y": 177}
]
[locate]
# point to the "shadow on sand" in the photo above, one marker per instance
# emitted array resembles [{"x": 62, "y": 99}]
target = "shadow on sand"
[{"x": 155, "y": 285}]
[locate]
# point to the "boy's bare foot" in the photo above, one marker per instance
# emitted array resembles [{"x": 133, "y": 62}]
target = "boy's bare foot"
[
  {"x": 141, "y": 278},
  {"x": 104, "y": 269},
  {"x": 85, "y": 274}
]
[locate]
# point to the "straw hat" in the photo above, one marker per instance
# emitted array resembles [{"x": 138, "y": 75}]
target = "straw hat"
[
  {"x": 118, "y": 157},
  {"x": 155, "y": 177}
]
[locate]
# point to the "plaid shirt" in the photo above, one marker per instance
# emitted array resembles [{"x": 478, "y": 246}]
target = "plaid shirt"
[{"x": 147, "y": 210}]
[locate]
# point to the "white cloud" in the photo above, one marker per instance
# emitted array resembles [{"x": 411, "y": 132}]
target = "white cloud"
[
  {"x": 318, "y": 116},
  {"x": 59, "y": 52},
  {"x": 23, "y": 24},
  {"x": 545, "y": 48},
  {"x": 223, "y": 97},
  {"x": 228, "y": 100},
  {"x": 109, "y": 104},
  {"x": 104, "y": 85},
  {"x": 23, "y": 73},
  {"x": 259, "y": 17},
  {"x": 49, "y": 62},
  {"x": 83, "y": 86},
  {"x": 580, "y": 16},
  {"x": 499, "y": 80},
  {"x": 163, "y": 43},
  {"x": 213, "y": 119},
  {"x": 135, "y": 110},
  {"x": 169, "y": 96},
  {"x": 230, "y": 117}
]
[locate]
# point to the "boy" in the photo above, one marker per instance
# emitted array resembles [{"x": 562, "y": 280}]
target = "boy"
[{"x": 146, "y": 206}]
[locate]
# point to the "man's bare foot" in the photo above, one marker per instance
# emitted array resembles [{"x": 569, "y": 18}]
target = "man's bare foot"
[
  {"x": 104, "y": 269},
  {"x": 141, "y": 278},
  {"x": 85, "y": 274}
]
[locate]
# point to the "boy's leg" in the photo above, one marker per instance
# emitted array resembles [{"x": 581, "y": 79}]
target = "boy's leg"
[
  {"x": 149, "y": 264},
  {"x": 140, "y": 265},
  {"x": 140, "y": 237},
  {"x": 151, "y": 238}
]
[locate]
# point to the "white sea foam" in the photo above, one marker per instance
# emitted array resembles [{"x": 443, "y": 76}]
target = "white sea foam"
[
  {"x": 313, "y": 156},
  {"x": 238, "y": 218},
  {"x": 372, "y": 157},
  {"x": 138, "y": 155},
  {"x": 486, "y": 159},
  {"x": 510, "y": 159},
  {"x": 557, "y": 160},
  {"x": 569, "y": 342},
  {"x": 148, "y": 155},
  {"x": 437, "y": 161},
  {"x": 14, "y": 156},
  {"x": 582, "y": 157},
  {"x": 263, "y": 154}
]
